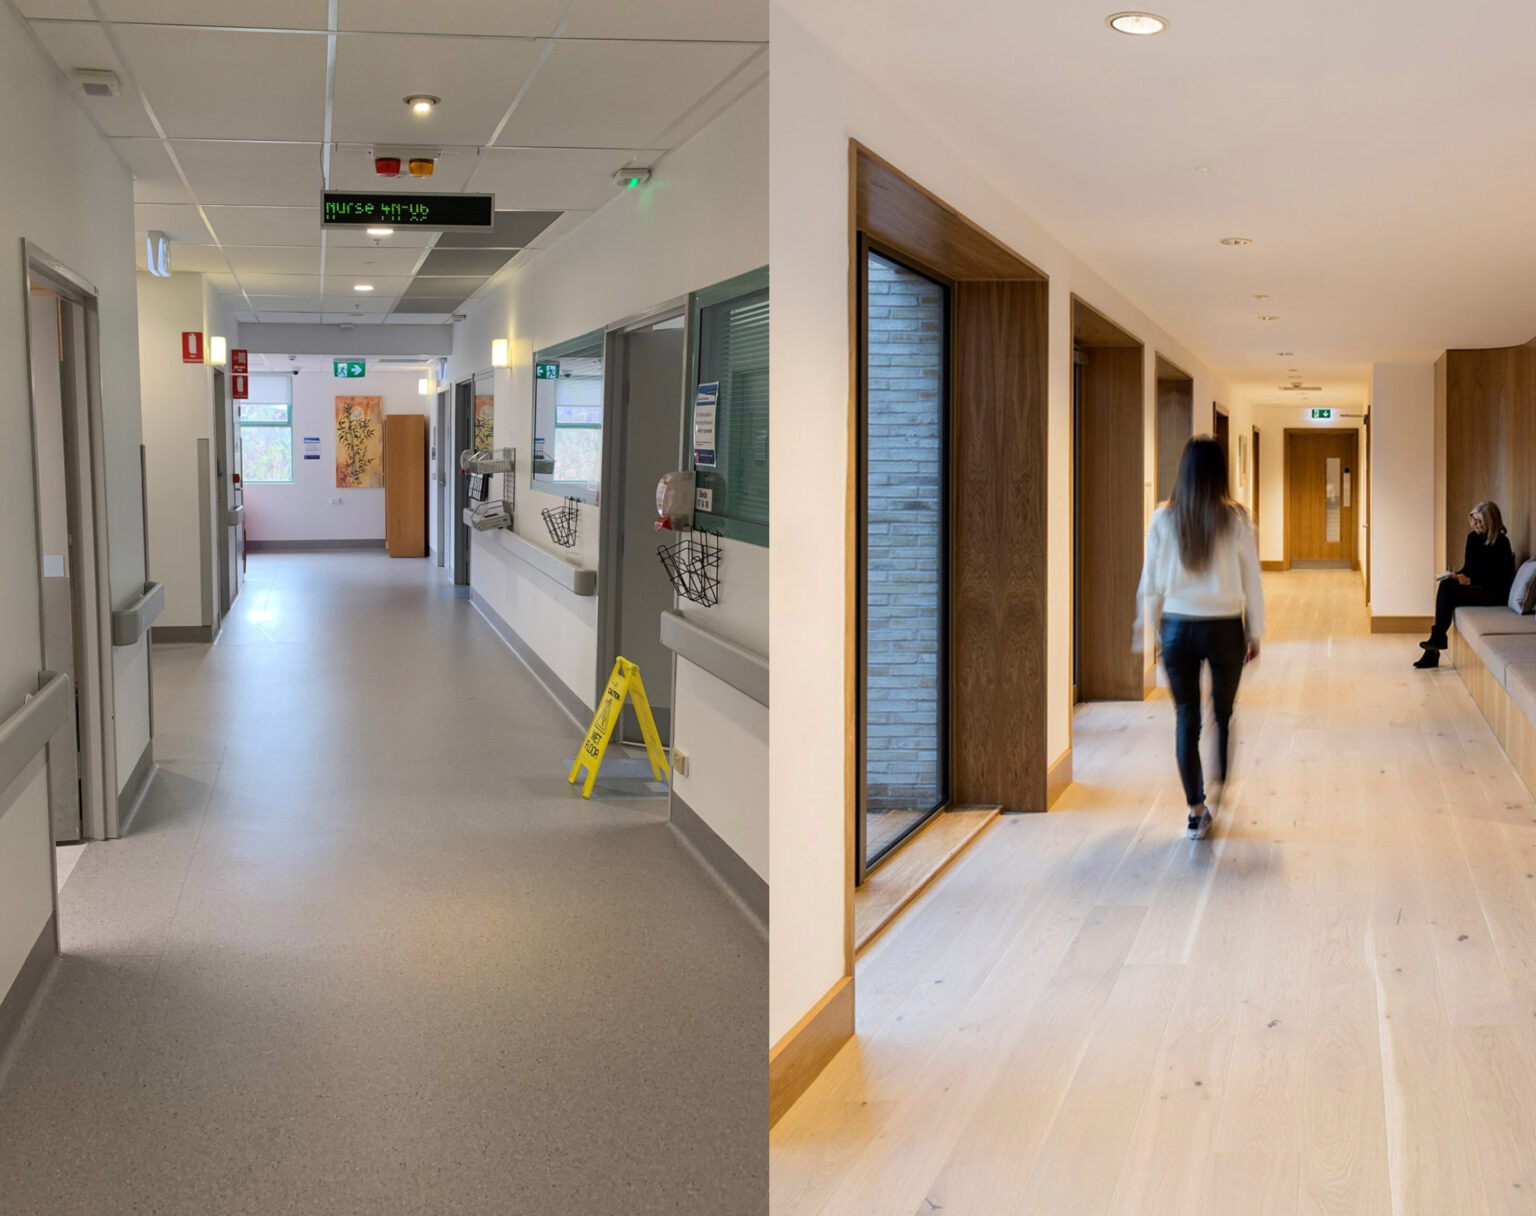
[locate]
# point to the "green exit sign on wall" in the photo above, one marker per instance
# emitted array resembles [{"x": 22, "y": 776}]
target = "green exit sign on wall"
[
  {"x": 1325, "y": 415},
  {"x": 546, "y": 371},
  {"x": 349, "y": 369}
]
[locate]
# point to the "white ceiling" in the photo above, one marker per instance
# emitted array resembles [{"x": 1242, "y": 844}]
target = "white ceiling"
[
  {"x": 1382, "y": 157},
  {"x": 229, "y": 108}
]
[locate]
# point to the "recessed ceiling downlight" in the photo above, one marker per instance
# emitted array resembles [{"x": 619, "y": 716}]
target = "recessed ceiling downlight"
[
  {"x": 1236, "y": 240},
  {"x": 381, "y": 232},
  {"x": 1268, "y": 317},
  {"x": 362, "y": 286},
  {"x": 422, "y": 103},
  {"x": 1142, "y": 25}
]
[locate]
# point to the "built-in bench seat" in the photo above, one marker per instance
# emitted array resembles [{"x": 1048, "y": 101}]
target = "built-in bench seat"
[{"x": 1494, "y": 651}]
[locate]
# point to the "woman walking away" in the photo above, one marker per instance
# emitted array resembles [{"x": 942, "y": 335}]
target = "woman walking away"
[
  {"x": 1487, "y": 570},
  {"x": 1200, "y": 591}
]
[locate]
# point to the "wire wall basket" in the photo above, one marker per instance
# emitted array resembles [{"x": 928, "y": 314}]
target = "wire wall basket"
[
  {"x": 693, "y": 564},
  {"x": 562, "y": 522},
  {"x": 487, "y": 510}
]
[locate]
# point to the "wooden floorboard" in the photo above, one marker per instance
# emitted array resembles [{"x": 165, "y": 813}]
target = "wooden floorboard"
[
  {"x": 1328, "y": 1007},
  {"x": 902, "y": 877}
]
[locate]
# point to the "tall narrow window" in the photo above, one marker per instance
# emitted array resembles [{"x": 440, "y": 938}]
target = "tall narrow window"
[
  {"x": 904, "y": 551},
  {"x": 266, "y": 430}
]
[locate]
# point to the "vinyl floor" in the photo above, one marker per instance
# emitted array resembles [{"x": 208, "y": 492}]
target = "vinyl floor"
[{"x": 365, "y": 951}]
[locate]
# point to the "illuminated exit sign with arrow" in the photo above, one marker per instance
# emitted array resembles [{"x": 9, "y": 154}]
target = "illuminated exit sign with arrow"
[{"x": 349, "y": 369}]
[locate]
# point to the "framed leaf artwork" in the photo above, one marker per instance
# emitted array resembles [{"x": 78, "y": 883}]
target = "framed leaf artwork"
[{"x": 359, "y": 443}]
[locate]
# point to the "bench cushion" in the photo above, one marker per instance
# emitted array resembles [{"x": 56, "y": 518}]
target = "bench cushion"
[
  {"x": 1500, "y": 651},
  {"x": 1478, "y": 622},
  {"x": 1520, "y": 683}
]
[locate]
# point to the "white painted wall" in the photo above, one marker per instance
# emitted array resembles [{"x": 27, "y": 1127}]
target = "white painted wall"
[
  {"x": 76, "y": 203},
  {"x": 303, "y": 510},
  {"x": 1273, "y": 421},
  {"x": 818, "y": 104},
  {"x": 1403, "y": 520},
  {"x": 702, "y": 219}
]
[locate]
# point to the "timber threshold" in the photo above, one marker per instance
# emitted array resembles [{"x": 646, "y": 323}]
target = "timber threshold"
[{"x": 906, "y": 874}]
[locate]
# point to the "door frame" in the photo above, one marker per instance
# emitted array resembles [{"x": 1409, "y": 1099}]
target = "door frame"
[
  {"x": 610, "y": 523},
  {"x": 90, "y": 570},
  {"x": 462, "y": 410},
  {"x": 441, "y": 442},
  {"x": 1285, "y": 488}
]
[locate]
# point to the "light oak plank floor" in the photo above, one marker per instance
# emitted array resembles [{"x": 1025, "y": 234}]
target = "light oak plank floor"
[{"x": 1327, "y": 1008}]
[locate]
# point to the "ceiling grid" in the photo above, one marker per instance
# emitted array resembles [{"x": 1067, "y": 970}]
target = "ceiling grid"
[{"x": 233, "y": 122}]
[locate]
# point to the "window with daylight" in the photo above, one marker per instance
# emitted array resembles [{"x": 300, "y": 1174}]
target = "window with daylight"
[{"x": 266, "y": 431}]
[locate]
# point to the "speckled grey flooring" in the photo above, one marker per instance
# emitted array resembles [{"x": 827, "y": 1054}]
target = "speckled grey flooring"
[{"x": 365, "y": 951}]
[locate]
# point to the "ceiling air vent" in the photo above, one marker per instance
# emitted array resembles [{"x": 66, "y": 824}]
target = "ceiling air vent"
[
  {"x": 1298, "y": 387},
  {"x": 97, "y": 82}
]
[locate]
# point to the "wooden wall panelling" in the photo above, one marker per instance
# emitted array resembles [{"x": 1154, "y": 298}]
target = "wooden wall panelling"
[
  {"x": 1175, "y": 425},
  {"x": 405, "y": 485},
  {"x": 1488, "y": 414},
  {"x": 998, "y": 545},
  {"x": 1112, "y": 468}
]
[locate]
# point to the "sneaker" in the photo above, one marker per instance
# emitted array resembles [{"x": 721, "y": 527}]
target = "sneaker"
[
  {"x": 1427, "y": 660},
  {"x": 1199, "y": 824}
]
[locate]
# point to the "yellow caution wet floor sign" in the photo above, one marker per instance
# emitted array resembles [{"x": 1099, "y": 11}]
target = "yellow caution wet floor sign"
[{"x": 625, "y": 681}]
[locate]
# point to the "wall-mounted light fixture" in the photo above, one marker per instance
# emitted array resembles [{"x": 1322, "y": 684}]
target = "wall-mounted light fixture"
[
  {"x": 424, "y": 386},
  {"x": 157, "y": 253},
  {"x": 501, "y": 356},
  {"x": 218, "y": 350}
]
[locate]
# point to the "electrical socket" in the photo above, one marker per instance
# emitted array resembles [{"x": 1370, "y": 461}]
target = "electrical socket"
[
  {"x": 679, "y": 762},
  {"x": 335, "y": 502}
]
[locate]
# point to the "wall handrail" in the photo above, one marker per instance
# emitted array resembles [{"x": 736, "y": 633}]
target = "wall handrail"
[
  {"x": 132, "y": 622},
  {"x": 743, "y": 669},
  {"x": 576, "y": 579},
  {"x": 27, "y": 731}
]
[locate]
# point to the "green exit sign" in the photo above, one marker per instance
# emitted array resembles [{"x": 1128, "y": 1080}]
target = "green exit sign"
[
  {"x": 349, "y": 369},
  {"x": 1325, "y": 415},
  {"x": 546, "y": 371}
]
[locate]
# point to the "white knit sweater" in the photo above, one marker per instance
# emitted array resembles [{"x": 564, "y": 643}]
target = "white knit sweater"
[{"x": 1228, "y": 586}]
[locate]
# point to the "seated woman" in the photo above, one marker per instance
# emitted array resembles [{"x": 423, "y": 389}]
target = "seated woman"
[{"x": 1487, "y": 570}]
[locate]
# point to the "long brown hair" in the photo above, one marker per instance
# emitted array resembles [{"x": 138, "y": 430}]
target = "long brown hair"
[
  {"x": 1493, "y": 521},
  {"x": 1202, "y": 510}
]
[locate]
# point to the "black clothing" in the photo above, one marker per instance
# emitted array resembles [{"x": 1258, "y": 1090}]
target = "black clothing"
[
  {"x": 1491, "y": 567},
  {"x": 1452, "y": 595},
  {"x": 1187, "y": 642}
]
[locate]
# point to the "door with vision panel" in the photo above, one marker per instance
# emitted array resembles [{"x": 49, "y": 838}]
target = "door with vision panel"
[{"x": 1321, "y": 498}]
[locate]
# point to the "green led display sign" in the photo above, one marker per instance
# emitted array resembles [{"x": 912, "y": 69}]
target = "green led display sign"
[
  {"x": 430, "y": 212},
  {"x": 546, "y": 371},
  {"x": 348, "y": 369},
  {"x": 1323, "y": 415}
]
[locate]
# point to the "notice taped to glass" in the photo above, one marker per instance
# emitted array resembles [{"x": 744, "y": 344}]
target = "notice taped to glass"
[
  {"x": 704, "y": 407},
  {"x": 428, "y": 212}
]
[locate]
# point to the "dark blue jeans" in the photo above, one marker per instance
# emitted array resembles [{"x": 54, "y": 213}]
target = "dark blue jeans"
[{"x": 1187, "y": 642}]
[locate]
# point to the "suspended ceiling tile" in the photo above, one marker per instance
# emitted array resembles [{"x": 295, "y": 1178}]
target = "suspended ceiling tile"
[
  {"x": 267, "y": 284},
  {"x": 357, "y": 238},
  {"x": 526, "y": 18},
  {"x": 512, "y": 230},
  {"x": 444, "y": 287},
  {"x": 200, "y": 259},
  {"x": 617, "y": 94},
  {"x": 356, "y": 305},
  {"x": 370, "y": 261},
  {"x": 57, "y": 10},
  {"x": 282, "y": 303},
  {"x": 561, "y": 180},
  {"x": 744, "y": 20},
  {"x": 222, "y": 84},
  {"x": 155, "y": 179},
  {"x": 429, "y": 305},
  {"x": 264, "y": 259},
  {"x": 270, "y": 314},
  {"x": 352, "y": 169},
  {"x": 477, "y": 78},
  {"x": 474, "y": 263},
  {"x": 425, "y": 318},
  {"x": 269, "y": 14},
  {"x": 179, "y": 221},
  {"x": 222, "y": 282},
  {"x": 338, "y": 283},
  {"x": 265, "y": 225},
  {"x": 568, "y": 222},
  {"x": 84, "y": 45},
  {"x": 252, "y": 174}
]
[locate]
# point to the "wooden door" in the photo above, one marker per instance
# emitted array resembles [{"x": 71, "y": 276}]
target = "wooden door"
[
  {"x": 1257, "y": 497},
  {"x": 1322, "y": 497},
  {"x": 405, "y": 485}
]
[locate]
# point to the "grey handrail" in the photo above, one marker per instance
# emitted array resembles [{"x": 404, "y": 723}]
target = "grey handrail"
[
  {"x": 743, "y": 669},
  {"x": 131, "y": 622},
  {"x": 575, "y": 579},
  {"x": 26, "y": 732}
]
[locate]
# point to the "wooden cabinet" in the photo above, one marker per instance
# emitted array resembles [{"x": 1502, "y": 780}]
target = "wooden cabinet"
[{"x": 405, "y": 485}]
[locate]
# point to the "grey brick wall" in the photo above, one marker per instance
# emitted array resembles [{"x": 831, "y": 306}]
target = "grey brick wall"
[{"x": 904, "y": 517}]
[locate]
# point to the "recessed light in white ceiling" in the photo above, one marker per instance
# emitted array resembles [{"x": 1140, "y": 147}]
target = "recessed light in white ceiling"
[
  {"x": 1261, "y": 297},
  {"x": 381, "y": 232},
  {"x": 422, "y": 103},
  {"x": 1236, "y": 240},
  {"x": 1142, "y": 25},
  {"x": 362, "y": 286},
  {"x": 1286, "y": 354},
  {"x": 1268, "y": 318}
]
